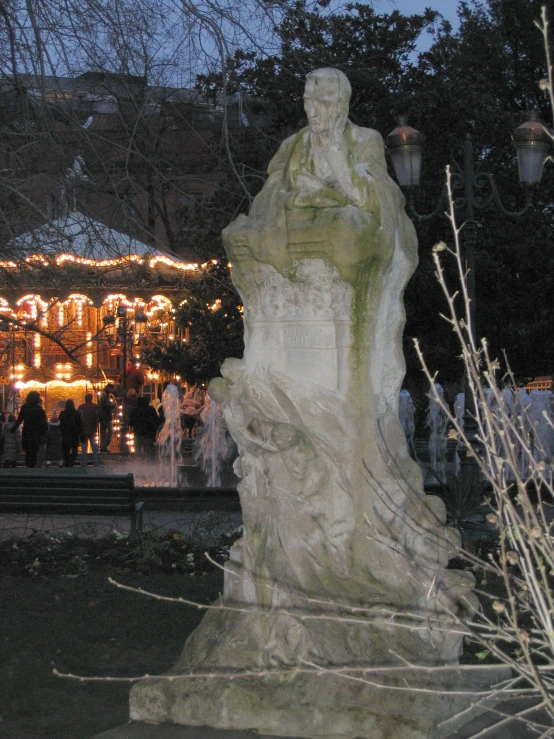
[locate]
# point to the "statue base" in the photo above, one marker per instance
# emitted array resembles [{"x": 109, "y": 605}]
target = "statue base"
[
  {"x": 410, "y": 704},
  {"x": 388, "y": 701}
]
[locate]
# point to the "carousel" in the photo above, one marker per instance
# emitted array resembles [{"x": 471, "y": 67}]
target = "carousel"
[{"x": 80, "y": 303}]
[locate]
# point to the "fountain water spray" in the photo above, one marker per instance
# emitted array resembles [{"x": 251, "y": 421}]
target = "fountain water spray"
[
  {"x": 170, "y": 435},
  {"x": 540, "y": 415},
  {"x": 212, "y": 442},
  {"x": 406, "y": 413},
  {"x": 437, "y": 423},
  {"x": 533, "y": 413}
]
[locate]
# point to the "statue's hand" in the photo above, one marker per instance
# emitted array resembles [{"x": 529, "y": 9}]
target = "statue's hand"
[
  {"x": 307, "y": 184},
  {"x": 333, "y": 136},
  {"x": 312, "y": 193},
  {"x": 336, "y": 155}
]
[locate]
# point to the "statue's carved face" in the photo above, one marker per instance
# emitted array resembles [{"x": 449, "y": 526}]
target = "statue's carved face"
[
  {"x": 232, "y": 369},
  {"x": 321, "y": 103},
  {"x": 284, "y": 436}
]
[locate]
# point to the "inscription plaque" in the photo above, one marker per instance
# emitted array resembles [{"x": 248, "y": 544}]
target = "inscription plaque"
[{"x": 308, "y": 337}]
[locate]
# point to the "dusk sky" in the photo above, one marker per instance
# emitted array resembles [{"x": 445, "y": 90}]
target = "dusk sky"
[{"x": 447, "y": 8}]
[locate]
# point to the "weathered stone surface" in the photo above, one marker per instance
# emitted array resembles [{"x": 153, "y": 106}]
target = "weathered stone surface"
[
  {"x": 387, "y": 706},
  {"x": 335, "y": 517}
]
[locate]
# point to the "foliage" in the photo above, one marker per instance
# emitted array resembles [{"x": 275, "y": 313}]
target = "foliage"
[
  {"x": 516, "y": 628},
  {"x": 155, "y": 550},
  {"x": 212, "y": 314},
  {"x": 464, "y": 498},
  {"x": 480, "y": 80},
  {"x": 373, "y": 50},
  {"x": 483, "y": 80}
]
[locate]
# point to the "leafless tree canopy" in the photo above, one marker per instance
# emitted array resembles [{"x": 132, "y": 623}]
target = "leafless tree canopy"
[
  {"x": 102, "y": 123},
  {"x": 99, "y": 111}
]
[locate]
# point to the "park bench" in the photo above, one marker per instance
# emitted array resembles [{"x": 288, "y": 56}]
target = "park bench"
[
  {"x": 69, "y": 491},
  {"x": 193, "y": 498}
]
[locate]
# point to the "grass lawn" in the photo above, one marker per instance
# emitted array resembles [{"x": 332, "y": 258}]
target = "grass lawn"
[
  {"x": 80, "y": 623},
  {"x": 85, "y": 625}
]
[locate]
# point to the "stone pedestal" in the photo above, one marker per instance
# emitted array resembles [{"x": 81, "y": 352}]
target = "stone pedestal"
[{"x": 323, "y": 706}]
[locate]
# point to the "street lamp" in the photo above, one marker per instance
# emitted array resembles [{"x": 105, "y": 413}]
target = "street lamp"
[
  {"x": 533, "y": 143},
  {"x": 405, "y": 147},
  {"x": 11, "y": 352},
  {"x": 118, "y": 325},
  {"x": 121, "y": 313},
  {"x": 119, "y": 329}
]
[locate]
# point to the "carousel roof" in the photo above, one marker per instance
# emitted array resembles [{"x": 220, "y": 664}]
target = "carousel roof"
[
  {"x": 84, "y": 237},
  {"x": 77, "y": 240}
]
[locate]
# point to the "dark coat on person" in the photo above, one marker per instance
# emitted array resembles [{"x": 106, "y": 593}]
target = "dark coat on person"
[
  {"x": 53, "y": 451},
  {"x": 71, "y": 426},
  {"x": 106, "y": 406},
  {"x": 35, "y": 425},
  {"x": 90, "y": 416},
  {"x": 11, "y": 449},
  {"x": 144, "y": 419}
]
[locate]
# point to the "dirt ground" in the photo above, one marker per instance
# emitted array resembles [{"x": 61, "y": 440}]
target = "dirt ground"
[{"x": 83, "y": 625}]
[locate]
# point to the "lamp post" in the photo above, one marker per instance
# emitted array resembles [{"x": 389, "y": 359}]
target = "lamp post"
[
  {"x": 121, "y": 313},
  {"x": 109, "y": 321},
  {"x": 6, "y": 327},
  {"x": 405, "y": 145}
]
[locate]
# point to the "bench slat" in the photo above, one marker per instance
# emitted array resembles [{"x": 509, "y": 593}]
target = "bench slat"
[
  {"x": 65, "y": 493},
  {"x": 35, "y": 482},
  {"x": 67, "y": 506}
]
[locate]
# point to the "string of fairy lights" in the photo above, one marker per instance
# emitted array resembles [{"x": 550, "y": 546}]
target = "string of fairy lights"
[
  {"x": 29, "y": 326},
  {"x": 61, "y": 259}
]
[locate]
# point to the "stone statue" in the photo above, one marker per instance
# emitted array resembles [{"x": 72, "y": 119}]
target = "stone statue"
[{"x": 335, "y": 517}]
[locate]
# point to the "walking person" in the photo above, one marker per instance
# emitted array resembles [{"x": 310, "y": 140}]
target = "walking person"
[
  {"x": 11, "y": 447},
  {"x": 106, "y": 409},
  {"x": 35, "y": 426},
  {"x": 145, "y": 422},
  {"x": 190, "y": 412},
  {"x": 90, "y": 415},
  {"x": 71, "y": 426},
  {"x": 53, "y": 447}
]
